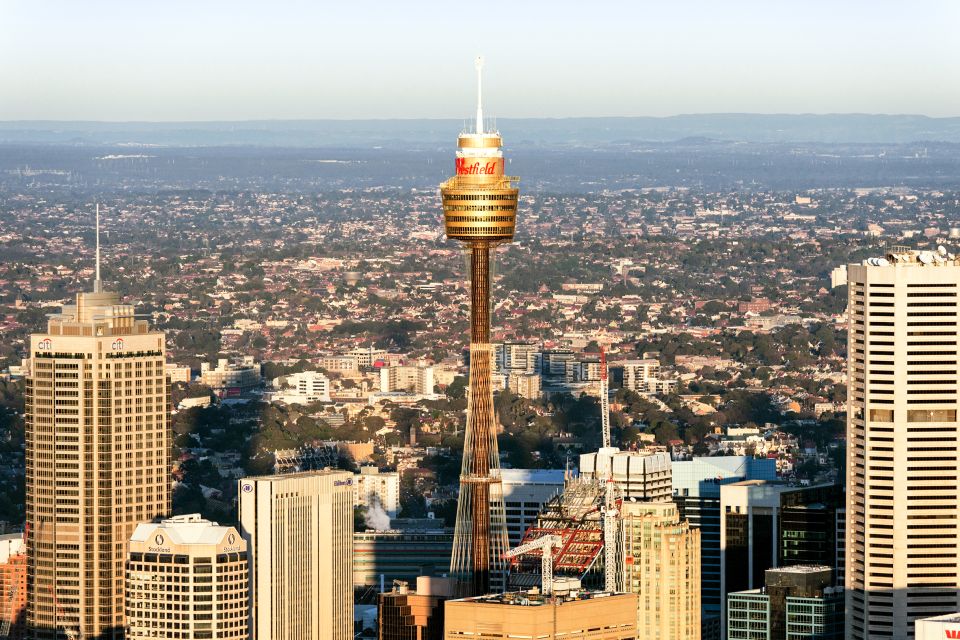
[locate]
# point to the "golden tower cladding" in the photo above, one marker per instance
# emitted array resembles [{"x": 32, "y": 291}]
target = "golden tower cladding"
[{"x": 479, "y": 209}]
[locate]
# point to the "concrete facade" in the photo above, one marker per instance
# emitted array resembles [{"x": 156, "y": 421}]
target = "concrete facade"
[
  {"x": 902, "y": 476},
  {"x": 299, "y": 529}
]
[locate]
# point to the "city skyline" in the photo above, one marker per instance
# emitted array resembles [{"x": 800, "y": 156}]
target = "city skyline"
[
  {"x": 300, "y": 61},
  {"x": 324, "y": 387}
]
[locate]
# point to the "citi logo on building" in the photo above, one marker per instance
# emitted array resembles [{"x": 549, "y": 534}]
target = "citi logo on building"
[
  {"x": 117, "y": 344},
  {"x": 476, "y": 168},
  {"x": 45, "y": 345}
]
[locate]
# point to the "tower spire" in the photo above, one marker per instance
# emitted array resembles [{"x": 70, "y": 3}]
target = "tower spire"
[
  {"x": 96, "y": 282},
  {"x": 479, "y": 66}
]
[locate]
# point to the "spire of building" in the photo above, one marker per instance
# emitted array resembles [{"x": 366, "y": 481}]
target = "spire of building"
[
  {"x": 479, "y": 66},
  {"x": 97, "y": 286}
]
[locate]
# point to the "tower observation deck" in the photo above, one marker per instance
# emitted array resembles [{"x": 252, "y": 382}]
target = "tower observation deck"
[{"x": 479, "y": 209}]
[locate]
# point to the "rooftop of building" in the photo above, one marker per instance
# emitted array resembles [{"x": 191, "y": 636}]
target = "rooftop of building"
[
  {"x": 302, "y": 474},
  {"x": 904, "y": 256},
  {"x": 185, "y": 529},
  {"x": 947, "y": 617},
  {"x": 800, "y": 568},
  {"x": 535, "y": 598},
  {"x": 550, "y": 476}
]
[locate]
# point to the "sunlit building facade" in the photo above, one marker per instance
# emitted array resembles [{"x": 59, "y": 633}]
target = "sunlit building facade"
[
  {"x": 903, "y": 481},
  {"x": 98, "y": 461}
]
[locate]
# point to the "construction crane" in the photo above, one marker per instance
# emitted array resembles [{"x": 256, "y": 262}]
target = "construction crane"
[
  {"x": 604, "y": 399},
  {"x": 545, "y": 544},
  {"x": 610, "y": 512},
  {"x": 610, "y": 538}
]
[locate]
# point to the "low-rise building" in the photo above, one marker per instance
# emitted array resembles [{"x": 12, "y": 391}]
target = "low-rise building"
[
  {"x": 570, "y": 614},
  {"x": 377, "y": 490},
  {"x": 414, "y": 615},
  {"x": 231, "y": 377},
  {"x": 796, "y": 602}
]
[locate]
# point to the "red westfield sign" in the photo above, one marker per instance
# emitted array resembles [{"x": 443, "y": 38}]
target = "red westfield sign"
[
  {"x": 953, "y": 633},
  {"x": 466, "y": 167}
]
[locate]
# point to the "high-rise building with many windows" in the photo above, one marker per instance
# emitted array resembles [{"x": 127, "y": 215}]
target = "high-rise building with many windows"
[
  {"x": 299, "y": 531},
  {"x": 661, "y": 564},
  {"x": 98, "y": 460},
  {"x": 766, "y": 524},
  {"x": 696, "y": 492},
  {"x": 903, "y": 480},
  {"x": 187, "y": 578}
]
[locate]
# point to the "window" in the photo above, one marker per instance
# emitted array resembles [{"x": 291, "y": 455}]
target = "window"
[{"x": 931, "y": 415}]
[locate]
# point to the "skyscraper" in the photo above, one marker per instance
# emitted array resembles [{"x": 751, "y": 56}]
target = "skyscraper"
[
  {"x": 696, "y": 491},
  {"x": 525, "y": 491},
  {"x": 772, "y": 524},
  {"x": 641, "y": 475},
  {"x": 187, "y": 578},
  {"x": 479, "y": 208},
  {"x": 661, "y": 565},
  {"x": 902, "y": 475},
  {"x": 98, "y": 448},
  {"x": 299, "y": 531}
]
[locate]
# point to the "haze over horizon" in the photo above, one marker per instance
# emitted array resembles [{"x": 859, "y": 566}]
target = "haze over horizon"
[{"x": 112, "y": 61}]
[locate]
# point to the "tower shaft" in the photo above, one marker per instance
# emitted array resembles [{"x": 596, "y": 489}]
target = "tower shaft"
[{"x": 481, "y": 431}]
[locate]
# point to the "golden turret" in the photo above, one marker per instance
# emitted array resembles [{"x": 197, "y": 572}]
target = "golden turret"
[{"x": 480, "y": 202}]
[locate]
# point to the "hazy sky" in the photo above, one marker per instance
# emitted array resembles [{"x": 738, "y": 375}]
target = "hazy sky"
[{"x": 280, "y": 59}]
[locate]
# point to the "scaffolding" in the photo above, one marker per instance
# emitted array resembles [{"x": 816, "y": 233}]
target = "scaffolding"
[
  {"x": 576, "y": 517},
  {"x": 306, "y": 458}
]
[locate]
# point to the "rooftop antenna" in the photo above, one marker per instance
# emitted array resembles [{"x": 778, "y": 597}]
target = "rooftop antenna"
[
  {"x": 479, "y": 65},
  {"x": 96, "y": 282}
]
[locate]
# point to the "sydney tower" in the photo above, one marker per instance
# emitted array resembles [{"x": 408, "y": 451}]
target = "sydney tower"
[{"x": 479, "y": 209}]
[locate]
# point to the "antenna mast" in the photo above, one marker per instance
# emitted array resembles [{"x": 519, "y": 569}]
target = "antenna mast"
[
  {"x": 96, "y": 281},
  {"x": 479, "y": 66}
]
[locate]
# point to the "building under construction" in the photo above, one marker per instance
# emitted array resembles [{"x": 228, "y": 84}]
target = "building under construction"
[{"x": 576, "y": 517}]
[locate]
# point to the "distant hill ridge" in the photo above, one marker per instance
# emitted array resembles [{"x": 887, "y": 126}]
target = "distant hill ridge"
[{"x": 731, "y": 127}]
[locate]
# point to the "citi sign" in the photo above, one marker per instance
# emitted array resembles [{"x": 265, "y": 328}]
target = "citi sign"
[
  {"x": 476, "y": 168},
  {"x": 117, "y": 344},
  {"x": 45, "y": 345}
]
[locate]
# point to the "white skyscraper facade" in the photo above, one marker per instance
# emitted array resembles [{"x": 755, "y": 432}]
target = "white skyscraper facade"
[{"x": 902, "y": 443}]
